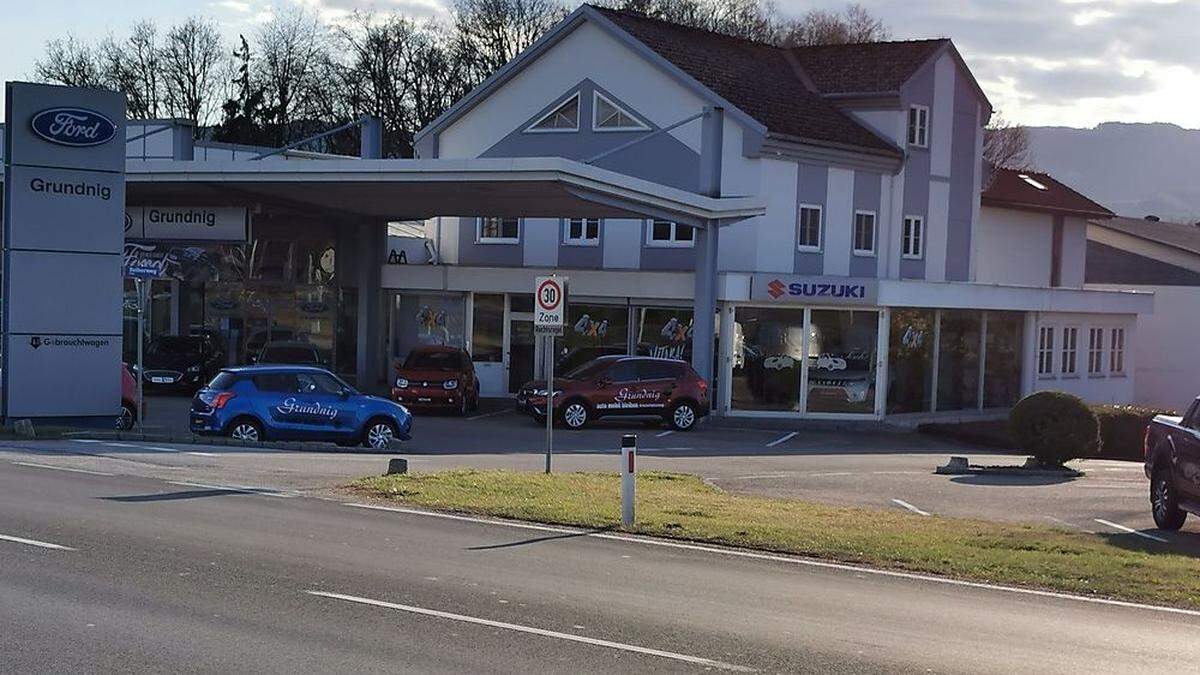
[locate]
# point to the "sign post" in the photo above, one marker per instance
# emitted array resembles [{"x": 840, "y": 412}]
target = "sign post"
[
  {"x": 550, "y": 307},
  {"x": 142, "y": 274},
  {"x": 628, "y": 473}
]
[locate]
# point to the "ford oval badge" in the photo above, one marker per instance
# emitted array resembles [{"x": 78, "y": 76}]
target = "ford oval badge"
[{"x": 76, "y": 127}]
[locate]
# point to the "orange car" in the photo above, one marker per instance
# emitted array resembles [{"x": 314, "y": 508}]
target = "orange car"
[{"x": 437, "y": 377}]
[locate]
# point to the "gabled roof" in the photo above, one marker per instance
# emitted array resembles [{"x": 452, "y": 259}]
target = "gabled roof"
[
  {"x": 1035, "y": 191},
  {"x": 873, "y": 68},
  {"x": 760, "y": 79},
  {"x": 1176, "y": 235}
]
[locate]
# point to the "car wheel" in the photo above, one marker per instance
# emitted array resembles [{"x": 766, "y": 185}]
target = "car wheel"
[
  {"x": 683, "y": 416},
  {"x": 127, "y": 418},
  {"x": 1164, "y": 503},
  {"x": 246, "y": 429},
  {"x": 379, "y": 434},
  {"x": 464, "y": 407},
  {"x": 575, "y": 415}
]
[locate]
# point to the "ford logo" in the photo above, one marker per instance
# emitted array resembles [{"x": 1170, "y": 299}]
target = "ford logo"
[{"x": 76, "y": 127}]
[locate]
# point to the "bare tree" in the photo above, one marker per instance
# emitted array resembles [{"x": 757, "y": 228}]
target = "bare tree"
[
  {"x": 750, "y": 19},
  {"x": 1006, "y": 145},
  {"x": 135, "y": 67},
  {"x": 822, "y": 27},
  {"x": 192, "y": 55},
  {"x": 494, "y": 32},
  {"x": 293, "y": 51},
  {"x": 70, "y": 62}
]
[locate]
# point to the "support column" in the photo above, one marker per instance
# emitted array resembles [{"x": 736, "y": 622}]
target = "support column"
[
  {"x": 711, "y": 149},
  {"x": 371, "y": 242},
  {"x": 370, "y": 138}
]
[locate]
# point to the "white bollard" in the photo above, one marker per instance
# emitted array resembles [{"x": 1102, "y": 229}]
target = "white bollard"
[{"x": 628, "y": 471}]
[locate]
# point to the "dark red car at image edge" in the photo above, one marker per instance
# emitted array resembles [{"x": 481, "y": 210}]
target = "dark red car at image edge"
[
  {"x": 436, "y": 377},
  {"x": 624, "y": 386}
]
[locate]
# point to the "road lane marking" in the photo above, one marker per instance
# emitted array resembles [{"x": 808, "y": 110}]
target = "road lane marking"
[
  {"x": 830, "y": 473},
  {"x": 674, "y": 656},
  {"x": 246, "y": 489},
  {"x": 85, "y": 440},
  {"x": 910, "y": 507},
  {"x": 756, "y": 476},
  {"x": 664, "y": 434},
  {"x": 1130, "y": 530},
  {"x": 897, "y": 473},
  {"x": 201, "y": 454},
  {"x": 62, "y": 468},
  {"x": 779, "y": 558},
  {"x": 34, "y": 542},
  {"x": 783, "y": 439}
]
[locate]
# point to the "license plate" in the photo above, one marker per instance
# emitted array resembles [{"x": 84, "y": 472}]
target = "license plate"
[
  {"x": 161, "y": 380},
  {"x": 425, "y": 399}
]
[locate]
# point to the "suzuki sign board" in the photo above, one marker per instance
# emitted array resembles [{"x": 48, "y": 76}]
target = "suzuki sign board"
[{"x": 805, "y": 290}]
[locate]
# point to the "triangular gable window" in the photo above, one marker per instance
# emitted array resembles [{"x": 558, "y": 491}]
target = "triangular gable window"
[
  {"x": 608, "y": 116},
  {"x": 563, "y": 118}
]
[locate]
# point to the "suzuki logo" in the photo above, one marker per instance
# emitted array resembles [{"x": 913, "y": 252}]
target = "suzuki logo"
[
  {"x": 776, "y": 288},
  {"x": 75, "y": 127}
]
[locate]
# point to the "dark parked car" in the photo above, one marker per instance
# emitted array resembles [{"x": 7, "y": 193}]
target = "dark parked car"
[
  {"x": 437, "y": 377},
  {"x": 292, "y": 353},
  {"x": 255, "y": 403},
  {"x": 1172, "y": 446},
  {"x": 180, "y": 362},
  {"x": 259, "y": 339},
  {"x": 628, "y": 386}
]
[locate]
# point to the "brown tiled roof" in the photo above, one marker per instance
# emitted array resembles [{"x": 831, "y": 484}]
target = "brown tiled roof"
[
  {"x": 1018, "y": 189},
  {"x": 877, "y": 67},
  {"x": 1177, "y": 235},
  {"x": 760, "y": 79}
]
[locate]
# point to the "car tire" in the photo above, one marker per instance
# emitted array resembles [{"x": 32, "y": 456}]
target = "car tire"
[
  {"x": 575, "y": 415},
  {"x": 379, "y": 433},
  {"x": 683, "y": 416},
  {"x": 464, "y": 407},
  {"x": 475, "y": 399},
  {"x": 127, "y": 418},
  {"x": 246, "y": 429},
  {"x": 1164, "y": 502}
]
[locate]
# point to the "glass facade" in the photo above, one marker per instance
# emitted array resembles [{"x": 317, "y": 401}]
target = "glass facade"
[
  {"x": 767, "y": 353},
  {"x": 592, "y": 330},
  {"x": 487, "y": 328},
  {"x": 841, "y": 361},
  {"x": 663, "y": 332},
  {"x": 910, "y": 361},
  {"x": 1002, "y": 357},
  {"x": 426, "y": 319},
  {"x": 958, "y": 360}
]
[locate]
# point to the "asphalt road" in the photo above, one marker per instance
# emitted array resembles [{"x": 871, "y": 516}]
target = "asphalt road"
[{"x": 163, "y": 577}]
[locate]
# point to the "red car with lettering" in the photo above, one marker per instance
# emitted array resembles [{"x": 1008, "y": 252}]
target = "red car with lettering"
[
  {"x": 625, "y": 386},
  {"x": 434, "y": 376}
]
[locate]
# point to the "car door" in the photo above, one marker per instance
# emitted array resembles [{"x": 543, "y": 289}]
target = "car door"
[
  {"x": 615, "y": 388},
  {"x": 656, "y": 386},
  {"x": 318, "y": 408},
  {"x": 275, "y": 401},
  {"x": 349, "y": 405}
]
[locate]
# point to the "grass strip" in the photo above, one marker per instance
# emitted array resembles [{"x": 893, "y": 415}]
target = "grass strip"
[{"x": 681, "y": 506}]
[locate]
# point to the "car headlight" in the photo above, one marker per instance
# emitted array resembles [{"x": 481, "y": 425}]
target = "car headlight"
[
  {"x": 450, "y": 384},
  {"x": 401, "y": 383}
]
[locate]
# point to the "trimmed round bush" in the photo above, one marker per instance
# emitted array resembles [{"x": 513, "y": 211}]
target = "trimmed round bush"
[{"x": 1055, "y": 427}]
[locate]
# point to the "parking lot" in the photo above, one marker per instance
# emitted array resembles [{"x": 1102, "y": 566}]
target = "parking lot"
[{"x": 876, "y": 468}]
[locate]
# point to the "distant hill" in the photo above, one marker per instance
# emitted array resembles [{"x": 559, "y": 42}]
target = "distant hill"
[{"x": 1133, "y": 169}]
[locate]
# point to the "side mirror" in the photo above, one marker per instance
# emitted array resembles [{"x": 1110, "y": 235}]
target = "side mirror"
[{"x": 344, "y": 394}]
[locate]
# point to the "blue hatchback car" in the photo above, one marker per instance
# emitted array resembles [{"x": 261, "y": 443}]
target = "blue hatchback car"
[{"x": 299, "y": 403}]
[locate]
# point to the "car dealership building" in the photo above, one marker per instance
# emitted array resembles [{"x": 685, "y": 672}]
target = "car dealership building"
[{"x": 811, "y": 227}]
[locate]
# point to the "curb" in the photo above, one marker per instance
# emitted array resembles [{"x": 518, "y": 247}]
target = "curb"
[
  {"x": 958, "y": 466},
  {"x": 191, "y": 439}
]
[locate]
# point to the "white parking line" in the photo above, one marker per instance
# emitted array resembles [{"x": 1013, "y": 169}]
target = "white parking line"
[
  {"x": 85, "y": 440},
  {"x": 686, "y": 658},
  {"x": 34, "y": 542},
  {"x": 781, "y": 558},
  {"x": 62, "y": 468},
  {"x": 755, "y": 476},
  {"x": 830, "y": 473},
  {"x": 1130, "y": 530},
  {"x": 664, "y": 434},
  {"x": 910, "y": 507},
  {"x": 122, "y": 445},
  {"x": 783, "y": 439},
  {"x": 897, "y": 473}
]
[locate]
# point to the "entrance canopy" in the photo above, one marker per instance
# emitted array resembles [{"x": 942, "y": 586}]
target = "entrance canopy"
[{"x": 410, "y": 189}]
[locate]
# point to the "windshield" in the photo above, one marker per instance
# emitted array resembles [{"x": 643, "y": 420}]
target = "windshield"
[
  {"x": 174, "y": 344},
  {"x": 434, "y": 360},
  {"x": 289, "y": 355},
  {"x": 588, "y": 370}
]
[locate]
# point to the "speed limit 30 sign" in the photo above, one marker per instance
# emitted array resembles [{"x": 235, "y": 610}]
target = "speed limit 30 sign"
[{"x": 550, "y": 304}]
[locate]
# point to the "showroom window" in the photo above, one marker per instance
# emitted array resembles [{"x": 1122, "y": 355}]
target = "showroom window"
[
  {"x": 426, "y": 319},
  {"x": 1070, "y": 346},
  {"x": 768, "y": 345},
  {"x": 841, "y": 361},
  {"x": 487, "y": 328},
  {"x": 808, "y": 235},
  {"x": 581, "y": 231},
  {"x": 663, "y": 332},
  {"x": 1095, "y": 351},
  {"x": 591, "y": 331},
  {"x": 1002, "y": 356},
  {"x": 958, "y": 360},
  {"x": 1116, "y": 355}
]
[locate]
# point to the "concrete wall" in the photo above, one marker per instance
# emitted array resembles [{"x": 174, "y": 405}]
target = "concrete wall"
[{"x": 1013, "y": 247}]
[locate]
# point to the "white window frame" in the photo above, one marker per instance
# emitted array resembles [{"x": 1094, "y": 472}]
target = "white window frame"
[
  {"x": 865, "y": 252},
  {"x": 918, "y": 134},
  {"x": 1072, "y": 352},
  {"x": 596, "y": 96},
  {"x": 532, "y": 128},
  {"x": 480, "y": 239},
  {"x": 1045, "y": 351},
  {"x": 1096, "y": 351},
  {"x": 674, "y": 241},
  {"x": 800, "y": 208},
  {"x": 1116, "y": 356},
  {"x": 906, "y": 238},
  {"x": 583, "y": 239}
]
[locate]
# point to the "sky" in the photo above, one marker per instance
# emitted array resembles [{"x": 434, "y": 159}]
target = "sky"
[{"x": 1041, "y": 62}]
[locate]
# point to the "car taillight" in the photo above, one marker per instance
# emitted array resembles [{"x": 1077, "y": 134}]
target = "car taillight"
[
  {"x": 221, "y": 399},
  {"x": 703, "y": 386}
]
